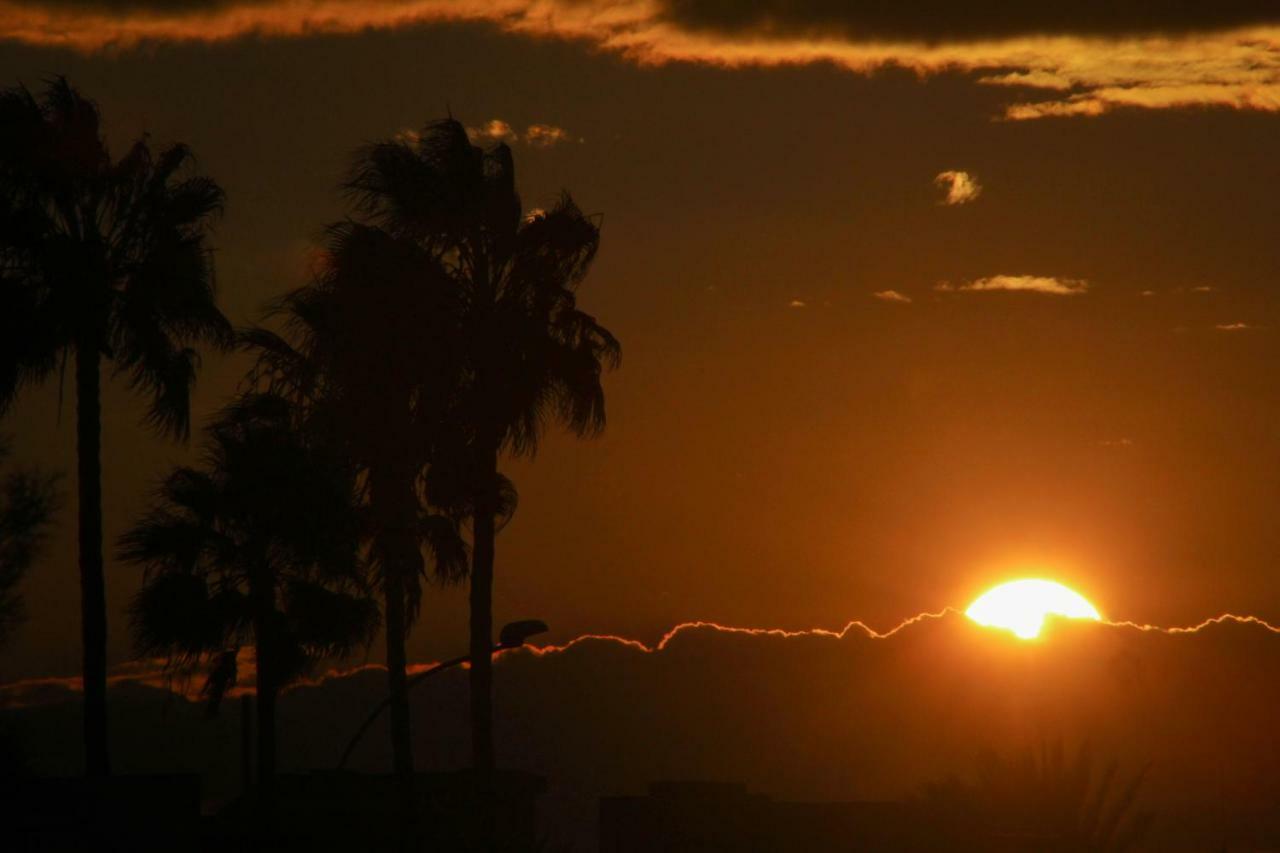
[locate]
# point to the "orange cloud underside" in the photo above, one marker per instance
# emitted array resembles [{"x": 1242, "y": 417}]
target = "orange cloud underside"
[{"x": 1071, "y": 75}]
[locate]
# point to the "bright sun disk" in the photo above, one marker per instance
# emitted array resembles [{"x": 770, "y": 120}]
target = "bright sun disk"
[{"x": 1021, "y": 606}]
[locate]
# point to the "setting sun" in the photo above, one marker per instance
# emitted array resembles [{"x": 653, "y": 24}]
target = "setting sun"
[{"x": 1022, "y": 605}]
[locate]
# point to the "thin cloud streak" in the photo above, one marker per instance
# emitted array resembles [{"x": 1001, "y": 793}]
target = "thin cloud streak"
[
  {"x": 892, "y": 296},
  {"x": 1020, "y": 283},
  {"x": 496, "y": 130},
  {"x": 1076, "y": 75}
]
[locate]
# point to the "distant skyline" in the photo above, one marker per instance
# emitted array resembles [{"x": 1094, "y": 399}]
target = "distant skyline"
[{"x": 854, "y": 389}]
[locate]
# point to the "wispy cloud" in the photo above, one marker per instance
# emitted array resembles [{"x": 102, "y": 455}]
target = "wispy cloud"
[
  {"x": 1115, "y": 56},
  {"x": 537, "y": 135},
  {"x": 1020, "y": 283},
  {"x": 959, "y": 187},
  {"x": 1235, "y": 327},
  {"x": 891, "y": 296},
  {"x": 797, "y": 303},
  {"x": 545, "y": 135},
  {"x": 494, "y": 130}
]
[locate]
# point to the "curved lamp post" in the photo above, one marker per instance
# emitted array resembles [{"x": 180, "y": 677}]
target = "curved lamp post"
[{"x": 512, "y": 636}]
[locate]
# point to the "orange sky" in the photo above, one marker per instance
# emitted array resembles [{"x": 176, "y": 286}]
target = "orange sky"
[{"x": 1073, "y": 372}]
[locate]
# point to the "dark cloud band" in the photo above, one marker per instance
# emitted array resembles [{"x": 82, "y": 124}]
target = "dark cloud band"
[{"x": 947, "y": 20}]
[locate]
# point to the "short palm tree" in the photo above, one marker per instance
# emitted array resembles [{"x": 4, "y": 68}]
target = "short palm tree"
[
  {"x": 259, "y": 546},
  {"x": 525, "y": 354},
  {"x": 367, "y": 352},
  {"x": 1046, "y": 799},
  {"x": 100, "y": 259}
]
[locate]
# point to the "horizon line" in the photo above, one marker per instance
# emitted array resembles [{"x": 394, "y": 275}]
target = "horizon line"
[{"x": 157, "y": 674}]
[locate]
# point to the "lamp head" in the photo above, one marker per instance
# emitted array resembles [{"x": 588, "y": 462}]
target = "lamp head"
[{"x": 515, "y": 633}]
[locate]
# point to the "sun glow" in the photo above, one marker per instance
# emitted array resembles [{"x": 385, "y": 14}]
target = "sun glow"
[{"x": 1021, "y": 606}]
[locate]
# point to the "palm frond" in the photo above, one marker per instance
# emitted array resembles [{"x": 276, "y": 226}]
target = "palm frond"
[
  {"x": 101, "y": 253},
  {"x": 327, "y": 622},
  {"x": 27, "y": 504},
  {"x": 171, "y": 616}
]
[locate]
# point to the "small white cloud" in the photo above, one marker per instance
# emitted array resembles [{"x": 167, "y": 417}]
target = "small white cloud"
[
  {"x": 1021, "y": 283},
  {"x": 494, "y": 130},
  {"x": 545, "y": 135},
  {"x": 1204, "y": 288},
  {"x": 960, "y": 187},
  {"x": 1148, "y": 293},
  {"x": 891, "y": 296},
  {"x": 1116, "y": 442},
  {"x": 1235, "y": 327},
  {"x": 797, "y": 303},
  {"x": 535, "y": 135}
]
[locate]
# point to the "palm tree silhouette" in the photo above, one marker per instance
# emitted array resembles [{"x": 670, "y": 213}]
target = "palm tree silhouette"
[
  {"x": 367, "y": 350},
  {"x": 1045, "y": 799},
  {"x": 27, "y": 502},
  {"x": 260, "y": 546},
  {"x": 525, "y": 354},
  {"x": 100, "y": 258}
]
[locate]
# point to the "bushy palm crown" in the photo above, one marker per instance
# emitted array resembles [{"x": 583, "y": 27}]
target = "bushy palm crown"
[
  {"x": 368, "y": 354},
  {"x": 268, "y": 509},
  {"x": 525, "y": 353},
  {"x": 103, "y": 253}
]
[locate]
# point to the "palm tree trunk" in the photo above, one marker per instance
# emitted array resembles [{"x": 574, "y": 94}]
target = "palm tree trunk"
[
  {"x": 483, "y": 532},
  {"x": 262, "y": 598},
  {"x": 395, "y": 508},
  {"x": 397, "y": 678},
  {"x": 267, "y": 694},
  {"x": 93, "y": 592}
]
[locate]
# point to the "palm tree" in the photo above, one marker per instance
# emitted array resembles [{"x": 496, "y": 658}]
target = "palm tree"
[
  {"x": 260, "y": 546},
  {"x": 367, "y": 351},
  {"x": 100, "y": 259},
  {"x": 27, "y": 502},
  {"x": 525, "y": 354},
  {"x": 1044, "y": 799}
]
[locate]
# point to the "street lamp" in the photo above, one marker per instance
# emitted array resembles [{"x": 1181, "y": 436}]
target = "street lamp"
[{"x": 512, "y": 636}]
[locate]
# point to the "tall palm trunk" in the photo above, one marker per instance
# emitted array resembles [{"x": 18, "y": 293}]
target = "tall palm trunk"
[
  {"x": 265, "y": 685},
  {"x": 395, "y": 508},
  {"x": 483, "y": 532},
  {"x": 93, "y": 592},
  {"x": 397, "y": 677},
  {"x": 267, "y": 694}
]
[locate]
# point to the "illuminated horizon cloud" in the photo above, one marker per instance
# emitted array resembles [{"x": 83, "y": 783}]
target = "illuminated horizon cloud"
[
  {"x": 1019, "y": 283},
  {"x": 891, "y": 296},
  {"x": 960, "y": 187},
  {"x": 1061, "y": 66},
  {"x": 1235, "y": 327},
  {"x": 153, "y": 672}
]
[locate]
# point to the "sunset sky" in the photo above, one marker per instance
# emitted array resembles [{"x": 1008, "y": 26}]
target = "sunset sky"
[{"x": 910, "y": 303}]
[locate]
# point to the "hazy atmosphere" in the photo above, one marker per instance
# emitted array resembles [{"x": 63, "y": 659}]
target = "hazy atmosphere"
[{"x": 913, "y": 299}]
